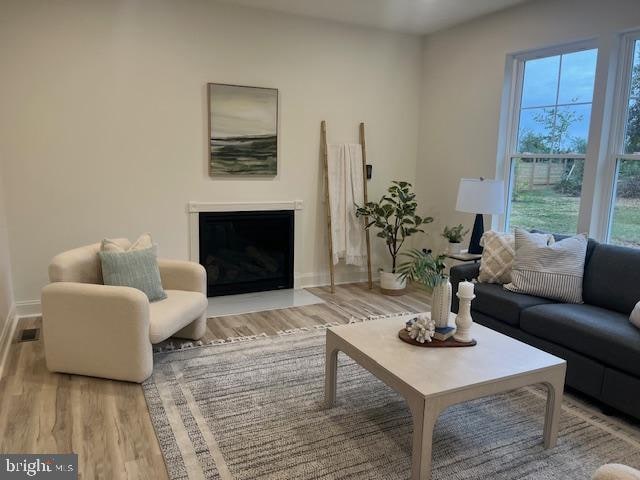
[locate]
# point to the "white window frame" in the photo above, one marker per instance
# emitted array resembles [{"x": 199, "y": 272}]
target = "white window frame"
[
  {"x": 510, "y": 117},
  {"x": 615, "y": 152}
]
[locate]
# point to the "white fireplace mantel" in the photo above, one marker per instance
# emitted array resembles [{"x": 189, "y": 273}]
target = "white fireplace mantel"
[
  {"x": 197, "y": 207},
  {"x": 194, "y": 208}
]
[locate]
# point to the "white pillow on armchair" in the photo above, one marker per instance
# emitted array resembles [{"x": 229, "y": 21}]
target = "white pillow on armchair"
[{"x": 635, "y": 315}]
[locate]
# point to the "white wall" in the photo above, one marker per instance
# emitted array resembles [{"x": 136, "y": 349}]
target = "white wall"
[
  {"x": 463, "y": 75},
  {"x": 103, "y": 118},
  {"x": 6, "y": 286}
]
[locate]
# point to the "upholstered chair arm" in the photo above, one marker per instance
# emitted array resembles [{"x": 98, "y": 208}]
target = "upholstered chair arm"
[
  {"x": 615, "y": 471},
  {"x": 183, "y": 275},
  {"x": 97, "y": 330}
]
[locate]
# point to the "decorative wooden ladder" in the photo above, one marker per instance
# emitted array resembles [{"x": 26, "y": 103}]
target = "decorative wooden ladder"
[{"x": 327, "y": 198}]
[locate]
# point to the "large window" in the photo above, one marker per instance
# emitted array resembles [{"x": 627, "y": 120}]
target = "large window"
[
  {"x": 624, "y": 218},
  {"x": 571, "y": 146},
  {"x": 549, "y": 133}
]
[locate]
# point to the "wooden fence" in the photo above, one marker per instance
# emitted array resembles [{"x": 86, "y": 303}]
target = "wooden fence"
[{"x": 538, "y": 173}]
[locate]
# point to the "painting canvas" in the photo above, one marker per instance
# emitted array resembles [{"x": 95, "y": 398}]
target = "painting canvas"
[{"x": 243, "y": 130}]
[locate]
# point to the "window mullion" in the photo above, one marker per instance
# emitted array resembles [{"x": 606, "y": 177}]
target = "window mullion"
[{"x": 555, "y": 107}]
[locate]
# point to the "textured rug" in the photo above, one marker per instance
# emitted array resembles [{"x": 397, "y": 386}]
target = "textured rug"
[{"x": 252, "y": 410}]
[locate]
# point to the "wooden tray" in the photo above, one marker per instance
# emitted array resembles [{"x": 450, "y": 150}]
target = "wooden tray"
[{"x": 448, "y": 343}]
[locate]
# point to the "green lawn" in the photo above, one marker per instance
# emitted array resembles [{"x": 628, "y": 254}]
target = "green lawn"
[{"x": 546, "y": 209}]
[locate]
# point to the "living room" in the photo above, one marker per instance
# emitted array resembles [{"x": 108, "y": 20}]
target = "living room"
[{"x": 138, "y": 136}]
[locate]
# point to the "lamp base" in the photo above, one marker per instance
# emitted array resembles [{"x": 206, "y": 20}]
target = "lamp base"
[{"x": 476, "y": 235}]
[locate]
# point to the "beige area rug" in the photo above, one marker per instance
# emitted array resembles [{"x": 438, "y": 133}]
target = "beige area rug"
[{"x": 252, "y": 410}]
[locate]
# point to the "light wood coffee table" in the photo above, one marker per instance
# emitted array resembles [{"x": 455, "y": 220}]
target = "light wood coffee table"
[{"x": 431, "y": 379}]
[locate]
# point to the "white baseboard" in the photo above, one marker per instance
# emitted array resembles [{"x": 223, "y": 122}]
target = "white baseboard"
[
  {"x": 6, "y": 336},
  {"x": 308, "y": 280},
  {"x": 32, "y": 308},
  {"x": 28, "y": 308}
]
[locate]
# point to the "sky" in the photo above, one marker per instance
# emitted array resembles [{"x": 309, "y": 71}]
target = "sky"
[
  {"x": 559, "y": 80},
  {"x": 237, "y": 111}
]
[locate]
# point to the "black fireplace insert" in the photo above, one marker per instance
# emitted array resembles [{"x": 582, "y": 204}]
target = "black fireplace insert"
[{"x": 246, "y": 252}]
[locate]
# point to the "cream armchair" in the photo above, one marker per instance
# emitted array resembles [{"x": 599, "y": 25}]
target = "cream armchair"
[
  {"x": 104, "y": 331},
  {"x": 615, "y": 471}
]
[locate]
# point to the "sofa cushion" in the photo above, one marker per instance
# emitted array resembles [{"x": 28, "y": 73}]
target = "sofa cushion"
[
  {"x": 598, "y": 333},
  {"x": 612, "y": 278},
  {"x": 179, "y": 309},
  {"x": 493, "y": 300}
]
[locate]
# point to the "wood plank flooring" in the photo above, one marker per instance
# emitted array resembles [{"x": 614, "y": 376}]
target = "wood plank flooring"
[{"x": 107, "y": 422}]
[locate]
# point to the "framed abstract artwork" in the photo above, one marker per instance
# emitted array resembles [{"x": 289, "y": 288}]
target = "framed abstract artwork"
[{"x": 243, "y": 130}]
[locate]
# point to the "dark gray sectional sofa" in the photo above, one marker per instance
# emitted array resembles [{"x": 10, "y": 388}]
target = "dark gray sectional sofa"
[{"x": 600, "y": 345}]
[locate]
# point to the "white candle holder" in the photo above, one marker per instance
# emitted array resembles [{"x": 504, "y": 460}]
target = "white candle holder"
[{"x": 463, "y": 319}]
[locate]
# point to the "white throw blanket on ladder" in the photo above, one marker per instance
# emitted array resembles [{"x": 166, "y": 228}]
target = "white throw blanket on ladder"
[{"x": 346, "y": 188}]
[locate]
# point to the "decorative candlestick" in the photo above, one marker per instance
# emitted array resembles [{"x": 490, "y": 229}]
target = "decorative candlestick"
[{"x": 463, "y": 319}]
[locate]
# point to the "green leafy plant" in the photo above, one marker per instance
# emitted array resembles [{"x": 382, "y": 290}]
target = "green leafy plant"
[
  {"x": 455, "y": 234},
  {"x": 424, "y": 268},
  {"x": 395, "y": 216}
]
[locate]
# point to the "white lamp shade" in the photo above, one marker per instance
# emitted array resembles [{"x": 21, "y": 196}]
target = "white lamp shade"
[{"x": 476, "y": 195}]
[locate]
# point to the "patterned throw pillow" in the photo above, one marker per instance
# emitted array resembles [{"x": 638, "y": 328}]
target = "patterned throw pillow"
[
  {"x": 497, "y": 257},
  {"x": 133, "y": 268},
  {"x": 551, "y": 271}
]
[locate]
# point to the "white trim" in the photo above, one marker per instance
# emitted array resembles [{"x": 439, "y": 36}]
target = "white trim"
[
  {"x": 505, "y": 135},
  {"x": 616, "y": 133},
  {"x": 194, "y": 208},
  {"x": 33, "y": 308},
  {"x": 598, "y": 190},
  {"x": 28, "y": 308},
  {"x": 308, "y": 280},
  {"x": 553, "y": 50},
  {"x": 541, "y": 156},
  {"x": 510, "y": 118},
  {"x": 6, "y": 336},
  {"x": 197, "y": 207}
]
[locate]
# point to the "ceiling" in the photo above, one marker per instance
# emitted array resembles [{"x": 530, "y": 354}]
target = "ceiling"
[{"x": 410, "y": 16}]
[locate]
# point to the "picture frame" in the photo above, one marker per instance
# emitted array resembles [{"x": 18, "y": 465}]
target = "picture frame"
[{"x": 242, "y": 130}]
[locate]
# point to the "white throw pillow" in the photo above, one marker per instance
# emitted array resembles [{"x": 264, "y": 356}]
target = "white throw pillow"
[
  {"x": 143, "y": 242},
  {"x": 635, "y": 315},
  {"x": 551, "y": 271}
]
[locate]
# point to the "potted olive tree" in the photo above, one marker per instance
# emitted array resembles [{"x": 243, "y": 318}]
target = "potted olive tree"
[
  {"x": 455, "y": 236},
  {"x": 395, "y": 218}
]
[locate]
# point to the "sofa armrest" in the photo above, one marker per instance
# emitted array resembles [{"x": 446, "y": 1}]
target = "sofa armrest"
[
  {"x": 183, "y": 275},
  {"x": 461, "y": 273},
  {"x": 464, "y": 271},
  {"x": 96, "y": 330}
]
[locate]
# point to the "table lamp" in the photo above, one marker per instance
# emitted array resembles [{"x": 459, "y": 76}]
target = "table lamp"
[{"x": 480, "y": 196}]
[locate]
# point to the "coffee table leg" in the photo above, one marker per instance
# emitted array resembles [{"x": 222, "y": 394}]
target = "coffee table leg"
[
  {"x": 331, "y": 373},
  {"x": 555, "y": 390},
  {"x": 424, "y": 420}
]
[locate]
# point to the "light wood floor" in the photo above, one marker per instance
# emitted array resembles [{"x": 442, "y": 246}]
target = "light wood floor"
[{"x": 107, "y": 422}]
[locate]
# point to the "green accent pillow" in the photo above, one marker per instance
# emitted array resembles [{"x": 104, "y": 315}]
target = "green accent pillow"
[{"x": 134, "y": 268}]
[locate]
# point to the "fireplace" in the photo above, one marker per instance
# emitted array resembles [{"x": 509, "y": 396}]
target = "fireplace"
[{"x": 246, "y": 251}]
